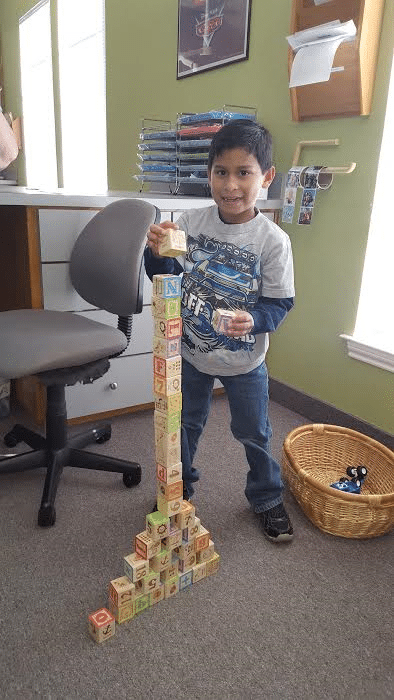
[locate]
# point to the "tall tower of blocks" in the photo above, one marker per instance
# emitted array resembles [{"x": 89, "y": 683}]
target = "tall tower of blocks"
[{"x": 174, "y": 550}]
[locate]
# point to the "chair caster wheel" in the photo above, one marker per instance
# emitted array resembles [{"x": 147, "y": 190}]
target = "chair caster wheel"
[
  {"x": 46, "y": 516},
  {"x": 132, "y": 478},
  {"x": 10, "y": 440},
  {"x": 102, "y": 435}
]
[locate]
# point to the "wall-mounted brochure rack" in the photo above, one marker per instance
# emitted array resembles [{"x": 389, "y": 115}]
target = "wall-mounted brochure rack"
[
  {"x": 349, "y": 90},
  {"x": 177, "y": 157},
  {"x": 157, "y": 153}
]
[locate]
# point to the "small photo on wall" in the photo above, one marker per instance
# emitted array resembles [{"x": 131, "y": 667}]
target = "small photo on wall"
[
  {"x": 287, "y": 214},
  {"x": 290, "y": 195},
  {"x": 309, "y": 177},
  {"x": 308, "y": 198},
  {"x": 305, "y": 215},
  {"x": 293, "y": 179}
]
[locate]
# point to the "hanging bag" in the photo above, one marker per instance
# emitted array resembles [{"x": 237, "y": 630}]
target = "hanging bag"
[{"x": 8, "y": 143}]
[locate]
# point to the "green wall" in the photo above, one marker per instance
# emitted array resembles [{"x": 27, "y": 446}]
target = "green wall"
[{"x": 306, "y": 352}]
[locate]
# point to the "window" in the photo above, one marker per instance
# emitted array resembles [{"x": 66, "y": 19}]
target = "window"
[
  {"x": 37, "y": 97},
  {"x": 82, "y": 163},
  {"x": 373, "y": 337},
  {"x": 82, "y": 94}
]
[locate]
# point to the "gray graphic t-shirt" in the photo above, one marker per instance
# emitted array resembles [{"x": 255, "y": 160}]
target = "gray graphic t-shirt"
[{"x": 229, "y": 266}]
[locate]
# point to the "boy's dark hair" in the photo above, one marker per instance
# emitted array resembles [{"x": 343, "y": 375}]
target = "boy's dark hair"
[{"x": 243, "y": 133}]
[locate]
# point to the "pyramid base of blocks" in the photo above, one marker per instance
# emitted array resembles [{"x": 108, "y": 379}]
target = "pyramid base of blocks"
[{"x": 174, "y": 551}]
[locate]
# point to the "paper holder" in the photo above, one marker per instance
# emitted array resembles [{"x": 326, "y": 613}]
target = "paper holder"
[{"x": 333, "y": 170}]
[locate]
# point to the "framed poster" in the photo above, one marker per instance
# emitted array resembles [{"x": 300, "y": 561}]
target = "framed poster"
[{"x": 211, "y": 34}]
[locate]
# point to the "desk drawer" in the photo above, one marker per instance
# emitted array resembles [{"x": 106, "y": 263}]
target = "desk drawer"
[
  {"x": 59, "y": 229},
  {"x": 58, "y": 292},
  {"x": 133, "y": 376}
]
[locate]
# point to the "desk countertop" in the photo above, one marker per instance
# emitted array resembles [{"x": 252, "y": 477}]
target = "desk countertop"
[{"x": 11, "y": 195}]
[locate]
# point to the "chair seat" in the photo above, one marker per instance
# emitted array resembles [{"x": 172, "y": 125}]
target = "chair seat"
[{"x": 37, "y": 340}]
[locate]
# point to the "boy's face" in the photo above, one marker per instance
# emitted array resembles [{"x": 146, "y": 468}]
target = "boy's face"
[{"x": 236, "y": 179}]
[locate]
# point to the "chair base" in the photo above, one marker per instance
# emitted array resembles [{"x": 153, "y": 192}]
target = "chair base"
[{"x": 56, "y": 451}]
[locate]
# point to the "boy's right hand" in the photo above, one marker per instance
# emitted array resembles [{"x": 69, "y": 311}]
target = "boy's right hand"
[{"x": 156, "y": 234}]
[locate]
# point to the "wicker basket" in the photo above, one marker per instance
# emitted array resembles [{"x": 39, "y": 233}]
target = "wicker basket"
[{"x": 316, "y": 455}]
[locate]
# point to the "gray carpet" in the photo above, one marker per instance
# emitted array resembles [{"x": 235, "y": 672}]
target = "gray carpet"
[{"x": 309, "y": 620}]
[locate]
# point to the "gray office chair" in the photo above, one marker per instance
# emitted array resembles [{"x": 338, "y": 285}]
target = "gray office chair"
[{"x": 63, "y": 348}]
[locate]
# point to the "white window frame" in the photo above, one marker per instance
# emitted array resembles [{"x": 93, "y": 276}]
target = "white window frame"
[
  {"x": 81, "y": 44},
  {"x": 373, "y": 336},
  {"x": 37, "y": 97},
  {"x": 81, "y": 164}
]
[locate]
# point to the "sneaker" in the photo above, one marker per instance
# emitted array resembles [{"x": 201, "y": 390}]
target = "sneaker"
[{"x": 276, "y": 524}]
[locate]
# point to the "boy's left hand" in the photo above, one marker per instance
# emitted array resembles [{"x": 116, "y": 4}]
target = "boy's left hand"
[{"x": 240, "y": 325}]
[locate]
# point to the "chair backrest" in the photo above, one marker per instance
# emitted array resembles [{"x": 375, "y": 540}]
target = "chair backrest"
[{"x": 106, "y": 264}]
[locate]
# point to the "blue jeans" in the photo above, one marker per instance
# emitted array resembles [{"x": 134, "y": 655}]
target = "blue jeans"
[{"x": 248, "y": 400}]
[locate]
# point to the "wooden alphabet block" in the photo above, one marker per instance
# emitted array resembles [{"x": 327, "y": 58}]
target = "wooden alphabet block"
[
  {"x": 157, "y": 595},
  {"x": 202, "y": 539},
  {"x": 172, "y": 491},
  {"x": 124, "y": 613},
  {"x": 121, "y": 591},
  {"x": 168, "y": 404},
  {"x": 135, "y": 567},
  {"x": 166, "y": 286},
  {"x": 142, "y": 603},
  {"x": 213, "y": 564},
  {"x": 171, "y": 587},
  {"x": 165, "y": 441},
  {"x": 167, "y": 387},
  {"x": 101, "y": 625},
  {"x": 204, "y": 555},
  {"x": 186, "y": 580},
  {"x": 157, "y": 525},
  {"x": 168, "y": 507},
  {"x": 189, "y": 533},
  {"x": 173, "y": 525},
  {"x": 139, "y": 587},
  {"x": 170, "y": 572},
  {"x": 167, "y": 423},
  {"x": 186, "y": 516},
  {"x": 150, "y": 582},
  {"x": 145, "y": 546},
  {"x": 199, "y": 572},
  {"x": 166, "y": 308},
  {"x": 185, "y": 549},
  {"x": 187, "y": 563},
  {"x": 168, "y": 328},
  {"x": 168, "y": 457},
  {"x": 161, "y": 561},
  {"x": 221, "y": 319},
  {"x": 169, "y": 475},
  {"x": 173, "y": 540},
  {"x": 166, "y": 347},
  {"x": 173, "y": 243},
  {"x": 167, "y": 367}
]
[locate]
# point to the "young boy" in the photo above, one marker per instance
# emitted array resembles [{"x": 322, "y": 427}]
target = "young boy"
[{"x": 238, "y": 260}]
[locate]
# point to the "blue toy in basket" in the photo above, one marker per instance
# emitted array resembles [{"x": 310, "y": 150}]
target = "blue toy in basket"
[{"x": 353, "y": 484}]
